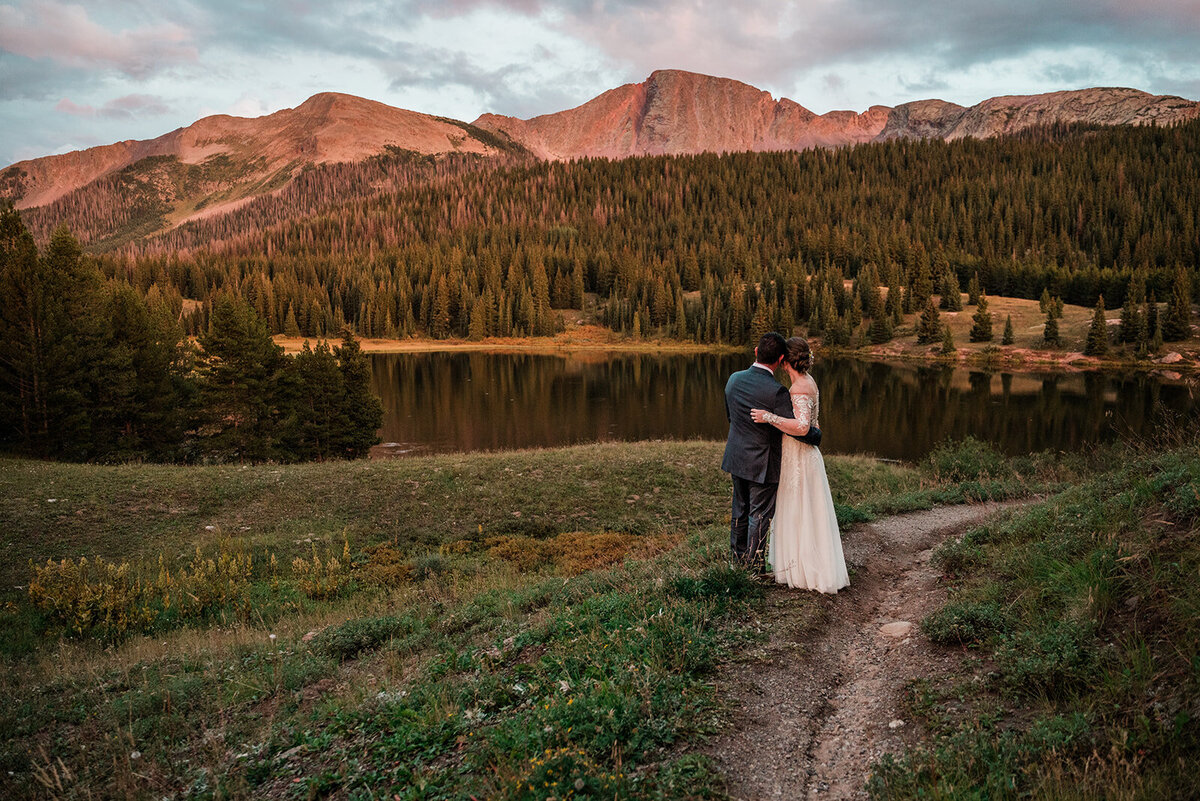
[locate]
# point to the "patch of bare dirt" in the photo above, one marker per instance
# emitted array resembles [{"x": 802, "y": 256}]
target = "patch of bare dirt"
[{"x": 813, "y": 712}]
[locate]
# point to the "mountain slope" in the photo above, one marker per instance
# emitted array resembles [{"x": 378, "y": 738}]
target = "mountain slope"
[
  {"x": 327, "y": 127},
  {"x": 676, "y": 112},
  {"x": 1000, "y": 116},
  {"x": 121, "y": 192}
]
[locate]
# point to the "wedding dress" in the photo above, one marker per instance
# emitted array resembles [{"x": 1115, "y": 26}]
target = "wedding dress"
[{"x": 806, "y": 546}]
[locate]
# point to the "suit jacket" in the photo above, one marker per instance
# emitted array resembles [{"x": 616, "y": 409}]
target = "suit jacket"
[{"x": 753, "y": 450}]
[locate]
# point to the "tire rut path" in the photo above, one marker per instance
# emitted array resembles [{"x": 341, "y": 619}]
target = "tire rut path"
[{"x": 812, "y": 713}]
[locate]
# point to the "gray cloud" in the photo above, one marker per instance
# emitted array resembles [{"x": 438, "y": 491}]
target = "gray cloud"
[
  {"x": 66, "y": 34},
  {"x": 154, "y": 56},
  {"x": 127, "y": 107}
]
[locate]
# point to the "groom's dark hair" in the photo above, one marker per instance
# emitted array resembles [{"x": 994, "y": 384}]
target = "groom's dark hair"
[{"x": 771, "y": 347}]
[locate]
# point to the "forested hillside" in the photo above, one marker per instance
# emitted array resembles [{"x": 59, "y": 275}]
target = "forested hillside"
[{"x": 702, "y": 247}]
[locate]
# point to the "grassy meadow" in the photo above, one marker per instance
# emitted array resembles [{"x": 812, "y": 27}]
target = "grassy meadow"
[
  {"x": 509, "y": 625},
  {"x": 1077, "y": 621}
]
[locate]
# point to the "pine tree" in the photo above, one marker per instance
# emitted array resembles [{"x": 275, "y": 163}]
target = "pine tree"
[
  {"x": 951, "y": 294},
  {"x": 1097, "y": 338},
  {"x": 1050, "y": 335},
  {"x": 974, "y": 293},
  {"x": 1177, "y": 322},
  {"x": 948, "y": 347},
  {"x": 1044, "y": 301},
  {"x": 479, "y": 319},
  {"x": 929, "y": 326},
  {"x": 880, "y": 330},
  {"x": 290, "y": 327},
  {"x": 981, "y": 330},
  {"x": 1009, "y": 336},
  {"x": 52, "y": 339},
  {"x": 363, "y": 410},
  {"x": 1129, "y": 320},
  {"x": 894, "y": 308},
  {"x": 1142, "y": 331},
  {"x": 1153, "y": 318},
  {"x": 318, "y": 411},
  {"x": 244, "y": 388}
]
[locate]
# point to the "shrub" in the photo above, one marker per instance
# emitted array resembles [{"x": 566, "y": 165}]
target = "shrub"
[
  {"x": 964, "y": 623},
  {"x": 967, "y": 459},
  {"x": 428, "y": 565},
  {"x": 351, "y": 638},
  {"x": 720, "y": 582},
  {"x": 386, "y": 566},
  {"x": 957, "y": 557},
  {"x": 565, "y": 773},
  {"x": 1050, "y": 661},
  {"x": 321, "y": 579},
  {"x": 458, "y": 547},
  {"x": 109, "y": 598},
  {"x": 91, "y": 595}
]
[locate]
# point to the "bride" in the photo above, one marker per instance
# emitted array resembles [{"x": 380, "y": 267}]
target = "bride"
[{"x": 806, "y": 547}]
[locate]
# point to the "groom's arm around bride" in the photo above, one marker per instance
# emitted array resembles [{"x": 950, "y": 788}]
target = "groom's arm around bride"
[{"x": 752, "y": 450}]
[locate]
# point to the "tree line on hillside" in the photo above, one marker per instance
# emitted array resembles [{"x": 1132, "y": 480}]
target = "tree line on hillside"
[
  {"x": 92, "y": 369},
  {"x": 706, "y": 247}
]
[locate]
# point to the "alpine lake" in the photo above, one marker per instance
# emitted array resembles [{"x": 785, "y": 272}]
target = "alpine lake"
[{"x": 483, "y": 401}]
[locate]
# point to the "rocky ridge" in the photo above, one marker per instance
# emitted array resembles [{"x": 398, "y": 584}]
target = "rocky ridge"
[
  {"x": 328, "y": 127},
  {"x": 671, "y": 112}
]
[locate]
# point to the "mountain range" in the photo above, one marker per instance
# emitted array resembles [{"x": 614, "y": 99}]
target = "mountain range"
[{"x": 221, "y": 162}]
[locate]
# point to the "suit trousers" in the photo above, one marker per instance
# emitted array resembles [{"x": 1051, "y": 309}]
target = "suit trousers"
[{"x": 753, "y": 508}]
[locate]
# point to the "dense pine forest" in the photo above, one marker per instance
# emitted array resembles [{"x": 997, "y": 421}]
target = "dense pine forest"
[
  {"x": 97, "y": 362},
  {"x": 708, "y": 248}
]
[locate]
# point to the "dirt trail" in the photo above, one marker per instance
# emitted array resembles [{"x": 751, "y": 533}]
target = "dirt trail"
[{"x": 813, "y": 713}]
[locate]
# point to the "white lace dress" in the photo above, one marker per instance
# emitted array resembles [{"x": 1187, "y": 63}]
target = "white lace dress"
[{"x": 806, "y": 546}]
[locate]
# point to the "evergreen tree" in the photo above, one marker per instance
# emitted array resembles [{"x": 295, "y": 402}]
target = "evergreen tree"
[
  {"x": 880, "y": 330},
  {"x": 52, "y": 334},
  {"x": 479, "y": 318},
  {"x": 318, "y": 411},
  {"x": 948, "y": 347},
  {"x": 1009, "y": 336},
  {"x": 1153, "y": 319},
  {"x": 981, "y": 330},
  {"x": 291, "y": 328},
  {"x": 1177, "y": 322},
  {"x": 1050, "y": 335},
  {"x": 762, "y": 322},
  {"x": 1142, "y": 331},
  {"x": 1128, "y": 331},
  {"x": 362, "y": 408},
  {"x": 951, "y": 294},
  {"x": 244, "y": 387},
  {"x": 1044, "y": 301},
  {"x": 894, "y": 307},
  {"x": 974, "y": 293},
  {"x": 1097, "y": 338},
  {"x": 929, "y": 326}
]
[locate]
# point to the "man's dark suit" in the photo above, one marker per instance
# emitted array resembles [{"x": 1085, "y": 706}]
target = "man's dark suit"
[{"x": 752, "y": 454}]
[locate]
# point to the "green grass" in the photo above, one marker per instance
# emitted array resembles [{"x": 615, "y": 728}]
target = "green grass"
[
  {"x": 1080, "y": 619},
  {"x": 51, "y": 510},
  {"x": 452, "y": 668}
]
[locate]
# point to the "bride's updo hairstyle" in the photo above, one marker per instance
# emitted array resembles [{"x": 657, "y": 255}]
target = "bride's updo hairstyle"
[{"x": 799, "y": 356}]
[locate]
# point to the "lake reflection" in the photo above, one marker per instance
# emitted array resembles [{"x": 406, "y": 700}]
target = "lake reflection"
[{"x": 485, "y": 401}]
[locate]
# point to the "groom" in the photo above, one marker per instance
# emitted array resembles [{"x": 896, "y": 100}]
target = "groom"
[{"x": 752, "y": 452}]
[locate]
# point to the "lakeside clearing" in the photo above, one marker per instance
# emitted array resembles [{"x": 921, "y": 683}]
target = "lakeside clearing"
[
  {"x": 563, "y": 621},
  {"x": 583, "y": 336}
]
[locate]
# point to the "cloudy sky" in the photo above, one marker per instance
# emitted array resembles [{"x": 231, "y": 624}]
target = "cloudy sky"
[{"x": 74, "y": 75}]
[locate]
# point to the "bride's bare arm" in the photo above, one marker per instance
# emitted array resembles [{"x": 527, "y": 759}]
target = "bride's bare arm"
[{"x": 797, "y": 427}]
